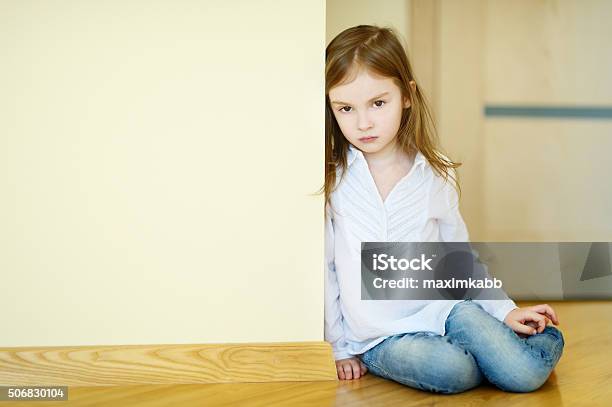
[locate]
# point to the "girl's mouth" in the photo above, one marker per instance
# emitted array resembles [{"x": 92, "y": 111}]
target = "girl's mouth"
[{"x": 367, "y": 139}]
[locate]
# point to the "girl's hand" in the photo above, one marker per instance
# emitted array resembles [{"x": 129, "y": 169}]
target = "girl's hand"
[
  {"x": 531, "y": 320},
  {"x": 350, "y": 368}
]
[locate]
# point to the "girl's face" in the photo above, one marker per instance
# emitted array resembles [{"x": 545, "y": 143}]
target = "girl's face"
[{"x": 369, "y": 106}]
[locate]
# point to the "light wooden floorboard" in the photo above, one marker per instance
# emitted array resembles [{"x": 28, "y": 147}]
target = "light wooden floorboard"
[{"x": 582, "y": 377}]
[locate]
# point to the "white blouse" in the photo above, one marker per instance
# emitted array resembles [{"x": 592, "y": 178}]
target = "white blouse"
[{"x": 421, "y": 207}]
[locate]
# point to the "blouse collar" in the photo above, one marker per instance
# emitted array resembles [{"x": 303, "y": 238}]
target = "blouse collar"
[{"x": 354, "y": 153}]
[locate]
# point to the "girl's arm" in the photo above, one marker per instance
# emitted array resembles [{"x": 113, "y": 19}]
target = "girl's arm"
[
  {"x": 452, "y": 226},
  {"x": 523, "y": 321},
  {"x": 334, "y": 332},
  {"x": 453, "y": 229}
]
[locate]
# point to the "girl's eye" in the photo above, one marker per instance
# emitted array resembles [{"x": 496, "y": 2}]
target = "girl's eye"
[{"x": 376, "y": 103}]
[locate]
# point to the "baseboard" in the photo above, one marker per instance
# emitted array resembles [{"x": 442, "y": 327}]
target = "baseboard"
[{"x": 167, "y": 364}]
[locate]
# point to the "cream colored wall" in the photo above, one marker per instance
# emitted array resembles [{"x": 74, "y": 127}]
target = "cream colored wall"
[
  {"x": 156, "y": 164},
  {"x": 523, "y": 179},
  {"x": 342, "y": 14}
]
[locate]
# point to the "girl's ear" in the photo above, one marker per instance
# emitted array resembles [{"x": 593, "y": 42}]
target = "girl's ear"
[{"x": 407, "y": 100}]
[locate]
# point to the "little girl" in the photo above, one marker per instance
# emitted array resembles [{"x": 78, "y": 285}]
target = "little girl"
[{"x": 386, "y": 180}]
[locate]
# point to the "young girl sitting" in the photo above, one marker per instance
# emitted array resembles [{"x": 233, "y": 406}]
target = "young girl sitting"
[{"x": 387, "y": 181}]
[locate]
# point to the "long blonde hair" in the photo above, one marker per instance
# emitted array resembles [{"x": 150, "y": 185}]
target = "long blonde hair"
[{"x": 379, "y": 51}]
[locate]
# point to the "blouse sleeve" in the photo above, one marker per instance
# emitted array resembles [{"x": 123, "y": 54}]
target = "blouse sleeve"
[
  {"x": 334, "y": 331},
  {"x": 452, "y": 226}
]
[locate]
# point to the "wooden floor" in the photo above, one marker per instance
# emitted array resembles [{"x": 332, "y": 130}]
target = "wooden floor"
[{"x": 582, "y": 377}]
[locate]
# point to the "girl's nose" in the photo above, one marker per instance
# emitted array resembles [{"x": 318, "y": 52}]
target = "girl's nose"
[{"x": 364, "y": 123}]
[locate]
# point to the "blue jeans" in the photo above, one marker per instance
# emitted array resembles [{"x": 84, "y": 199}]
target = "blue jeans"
[{"x": 476, "y": 346}]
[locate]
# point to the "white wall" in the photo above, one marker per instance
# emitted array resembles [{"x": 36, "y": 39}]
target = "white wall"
[{"x": 156, "y": 161}]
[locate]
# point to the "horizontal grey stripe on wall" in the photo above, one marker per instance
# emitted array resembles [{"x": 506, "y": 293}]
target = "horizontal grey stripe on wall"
[{"x": 556, "y": 112}]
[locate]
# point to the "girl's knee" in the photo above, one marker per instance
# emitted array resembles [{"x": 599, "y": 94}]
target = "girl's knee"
[
  {"x": 525, "y": 383},
  {"x": 555, "y": 350},
  {"x": 554, "y": 331},
  {"x": 526, "y": 374}
]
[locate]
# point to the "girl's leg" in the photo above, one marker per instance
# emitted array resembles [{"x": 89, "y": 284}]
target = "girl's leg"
[
  {"x": 508, "y": 361},
  {"x": 425, "y": 361}
]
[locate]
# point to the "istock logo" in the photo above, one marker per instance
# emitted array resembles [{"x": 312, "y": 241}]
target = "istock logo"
[{"x": 385, "y": 262}]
